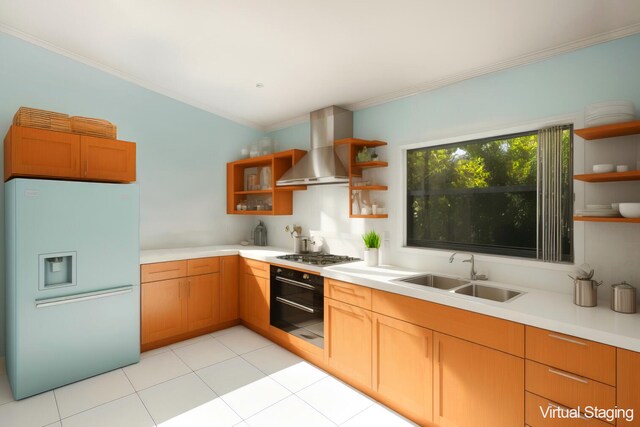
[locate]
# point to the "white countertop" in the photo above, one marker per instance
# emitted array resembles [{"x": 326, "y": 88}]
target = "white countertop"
[
  {"x": 260, "y": 253},
  {"x": 543, "y": 309}
]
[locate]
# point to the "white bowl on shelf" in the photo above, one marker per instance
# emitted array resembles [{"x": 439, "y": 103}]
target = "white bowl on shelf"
[
  {"x": 604, "y": 168},
  {"x": 630, "y": 210},
  {"x": 608, "y": 112}
]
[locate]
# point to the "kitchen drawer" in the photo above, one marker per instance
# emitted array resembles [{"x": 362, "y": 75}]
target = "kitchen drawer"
[
  {"x": 583, "y": 357},
  {"x": 349, "y": 293},
  {"x": 566, "y": 388},
  {"x": 163, "y": 271},
  {"x": 534, "y": 414},
  {"x": 485, "y": 330},
  {"x": 255, "y": 268},
  {"x": 203, "y": 266}
]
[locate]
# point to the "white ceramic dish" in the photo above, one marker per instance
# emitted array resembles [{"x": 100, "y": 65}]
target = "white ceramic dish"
[
  {"x": 604, "y": 113},
  {"x": 630, "y": 210},
  {"x": 622, "y": 168},
  {"x": 603, "y": 168},
  {"x": 608, "y": 119},
  {"x": 609, "y": 107}
]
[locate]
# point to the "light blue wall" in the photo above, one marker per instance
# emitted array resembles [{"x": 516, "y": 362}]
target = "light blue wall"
[
  {"x": 182, "y": 150},
  {"x": 558, "y": 86}
]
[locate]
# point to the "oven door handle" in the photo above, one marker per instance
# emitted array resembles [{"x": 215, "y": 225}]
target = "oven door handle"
[
  {"x": 295, "y": 305},
  {"x": 295, "y": 283}
]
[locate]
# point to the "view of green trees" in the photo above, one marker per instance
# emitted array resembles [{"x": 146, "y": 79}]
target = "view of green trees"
[{"x": 479, "y": 194}]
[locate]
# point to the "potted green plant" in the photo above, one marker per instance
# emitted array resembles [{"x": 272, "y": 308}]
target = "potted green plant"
[{"x": 372, "y": 245}]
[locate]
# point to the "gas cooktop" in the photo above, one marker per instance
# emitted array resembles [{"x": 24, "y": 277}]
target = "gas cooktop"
[{"x": 318, "y": 259}]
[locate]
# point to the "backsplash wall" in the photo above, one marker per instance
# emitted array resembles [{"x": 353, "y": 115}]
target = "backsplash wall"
[{"x": 560, "y": 86}]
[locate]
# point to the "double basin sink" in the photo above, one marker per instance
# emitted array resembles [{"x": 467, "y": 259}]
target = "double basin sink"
[{"x": 463, "y": 287}]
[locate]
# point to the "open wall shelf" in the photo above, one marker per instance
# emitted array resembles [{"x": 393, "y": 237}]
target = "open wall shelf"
[
  {"x": 601, "y": 219},
  {"x": 281, "y": 198},
  {"x": 609, "y": 131},
  {"x": 609, "y": 177},
  {"x": 355, "y": 171}
]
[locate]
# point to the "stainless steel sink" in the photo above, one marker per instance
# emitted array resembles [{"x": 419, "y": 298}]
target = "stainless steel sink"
[
  {"x": 438, "y": 282},
  {"x": 488, "y": 292}
]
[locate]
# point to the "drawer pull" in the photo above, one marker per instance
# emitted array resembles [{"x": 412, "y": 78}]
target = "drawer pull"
[
  {"x": 344, "y": 289},
  {"x": 164, "y": 271},
  {"x": 558, "y": 337},
  {"x": 564, "y": 408},
  {"x": 571, "y": 377}
]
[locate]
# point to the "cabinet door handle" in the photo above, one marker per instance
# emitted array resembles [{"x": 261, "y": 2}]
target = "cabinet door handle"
[
  {"x": 164, "y": 271},
  {"x": 558, "y": 337},
  {"x": 188, "y": 288},
  {"x": 344, "y": 289},
  {"x": 86, "y": 167},
  {"x": 179, "y": 289},
  {"x": 571, "y": 377}
]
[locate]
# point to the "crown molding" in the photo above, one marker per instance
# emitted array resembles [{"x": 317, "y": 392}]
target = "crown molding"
[
  {"x": 287, "y": 123},
  {"x": 124, "y": 76},
  {"x": 476, "y": 72}
]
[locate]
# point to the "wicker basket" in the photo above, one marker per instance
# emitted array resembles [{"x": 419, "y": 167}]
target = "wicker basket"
[
  {"x": 94, "y": 127},
  {"x": 34, "y": 118}
]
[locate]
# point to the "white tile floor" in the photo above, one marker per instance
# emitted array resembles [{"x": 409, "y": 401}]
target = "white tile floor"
[{"x": 233, "y": 377}]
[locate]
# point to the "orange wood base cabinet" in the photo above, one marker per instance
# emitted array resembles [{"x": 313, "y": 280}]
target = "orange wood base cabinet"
[
  {"x": 181, "y": 299},
  {"x": 254, "y": 293},
  {"x": 41, "y": 153}
]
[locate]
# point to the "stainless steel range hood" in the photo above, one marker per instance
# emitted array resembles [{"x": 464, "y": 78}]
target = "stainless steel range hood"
[{"x": 322, "y": 165}]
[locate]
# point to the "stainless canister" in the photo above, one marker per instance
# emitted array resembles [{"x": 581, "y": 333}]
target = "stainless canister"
[
  {"x": 623, "y": 298},
  {"x": 585, "y": 292}
]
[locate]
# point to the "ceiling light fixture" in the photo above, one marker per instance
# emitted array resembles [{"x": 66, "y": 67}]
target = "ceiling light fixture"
[{"x": 259, "y": 85}]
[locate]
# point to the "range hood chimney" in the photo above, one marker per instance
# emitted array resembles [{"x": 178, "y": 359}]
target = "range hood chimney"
[{"x": 321, "y": 164}]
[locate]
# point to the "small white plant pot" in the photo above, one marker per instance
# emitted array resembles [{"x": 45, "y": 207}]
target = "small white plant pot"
[{"x": 371, "y": 257}]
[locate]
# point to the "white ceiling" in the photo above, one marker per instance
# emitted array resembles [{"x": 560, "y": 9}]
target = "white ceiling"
[{"x": 309, "y": 54}]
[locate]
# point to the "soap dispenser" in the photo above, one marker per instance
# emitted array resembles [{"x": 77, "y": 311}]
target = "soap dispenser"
[{"x": 260, "y": 235}]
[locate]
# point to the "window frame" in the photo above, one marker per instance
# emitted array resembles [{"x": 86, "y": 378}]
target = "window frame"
[{"x": 400, "y": 225}]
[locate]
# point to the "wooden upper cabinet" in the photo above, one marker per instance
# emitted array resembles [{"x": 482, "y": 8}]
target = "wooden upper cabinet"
[
  {"x": 163, "y": 309},
  {"x": 41, "y": 153},
  {"x": 107, "y": 159},
  {"x": 203, "y": 296},
  {"x": 403, "y": 367},
  {"x": 229, "y": 288},
  {"x": 475, "y": 385},
  {"x": 347, "y": 334},
  {"x": 628, "y": 389}
]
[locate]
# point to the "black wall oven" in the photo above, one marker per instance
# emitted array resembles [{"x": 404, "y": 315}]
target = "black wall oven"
[{"x": 297, "y": 304}]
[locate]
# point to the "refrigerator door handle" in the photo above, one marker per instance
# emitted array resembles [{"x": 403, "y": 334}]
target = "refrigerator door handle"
[{"x": 82, "y": 297}]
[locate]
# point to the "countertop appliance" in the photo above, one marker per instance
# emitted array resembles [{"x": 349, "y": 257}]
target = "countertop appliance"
[
  {"x": 318, "y": 259},
  {"x": 73, "y": 294},
  {"x": 297, "y": 304}
]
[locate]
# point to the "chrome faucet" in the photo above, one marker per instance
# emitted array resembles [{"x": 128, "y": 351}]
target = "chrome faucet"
[{"x": 473, "y": 275}]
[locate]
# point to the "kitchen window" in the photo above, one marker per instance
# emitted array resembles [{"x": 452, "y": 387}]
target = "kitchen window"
[{"x": 506, "y": 195}]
